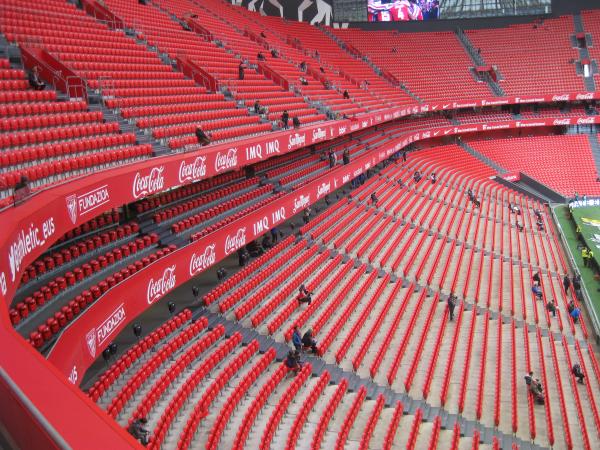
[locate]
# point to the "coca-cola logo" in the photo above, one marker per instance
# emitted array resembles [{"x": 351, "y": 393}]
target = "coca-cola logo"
[
  {"x": 203, "y": 261},
  {"x": 589, "y": 120},
  {"x": 158, "y": 288},
  {"x": 193, "y": 171},
  {"x": 236, "y": 241},
  {"x": 562, "y": 122},
  {"x": 300, "y": 203},
  {"x": 227, "y": 160},
  {"x": 151, "y": 183},
  {"x": 560, "y": 98},
  {"x": 588, "y": 96}
]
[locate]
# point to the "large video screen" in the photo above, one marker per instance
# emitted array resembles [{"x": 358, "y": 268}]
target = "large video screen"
[{"x": 403, "y": 10}]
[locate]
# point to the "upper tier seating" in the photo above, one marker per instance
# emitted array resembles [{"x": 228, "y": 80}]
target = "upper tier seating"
[
  {"x": 532, "y": 58},
  {"x": 48, "y": 140},
  {"x": 130, "y": 77},
  {"x": 163, "y": 32},
  {"x": 434, "y": 66},
  {"x": 564, "y": 163}
]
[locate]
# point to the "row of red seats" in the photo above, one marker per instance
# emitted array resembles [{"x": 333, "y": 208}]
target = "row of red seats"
[
  {"x": 290, "y": 286},
  {"x": 191, "y": 190},
  {"x": 305, "y": 409},
  {"x": 202, "y": 116},
  {"x": 177, "y": 108},
  {"x": 68, "y": 312},
  {"x": 26, "y": 155},
  {"x": 325, "y": 418},
  {"x": 165, "y": 351},
  {"x": 53, "y": 288},
  {"x": 14, "y": 96},
  {"x": 214, "y": 435},
  {"x": 181, "y": 208},
  {"x": 315, "y": 283},
  {"x": 313, "y": 170},
  {"x": 28, "y": 109},
  {"x": 217, "y": 210},
  {"x": 183, "y": 361},
  {"x": 321, "y": 298},
  {"x": 12, "y": 124},
  {"x": 282, "y": 405},
  {"x": 230, "y": 218},
  {"x": 58, "y": 258},
  {"x": 129, "y": 102},
  {"x": 19, "y": 139},
  {"x": 211, "y": 393},
  {"x": 259, "y": 400},
  {"x": 107, "y": 379},
  {"x": 65, "y": 166},
  {"x": 209, "y": 126},
  {"x": 237, "y": 278},
  {"x": 258, "y": 296},
  {"x": 220, "y": 135}
]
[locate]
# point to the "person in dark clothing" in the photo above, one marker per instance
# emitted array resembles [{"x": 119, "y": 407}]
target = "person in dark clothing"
[
  {"x": 304, "y": 296},
  {"x": 308, "y": 341},
  {"x": 241, "y": 71},
  {"x": 274, "y": 235},
  {"x": 306, "y": 215},
  {"x": 536, "y": 277},
  {"x": 260, "y": 56},
  {"x": 346, "y": 156},
  {"x": 267, "y": 243},
  {"x": 195, "y": 292},
  {"x": 451, "y": 304},
  {"x": 417, "y": 176},
  {"x": 297, "y": 338},
  {"x": 332, "y": 159},
  {"x": 262, "y": 34},
  {"x": 254, "y": 249},
  {"x": 257, "y": 108},
  {"x": 203, "y": 138},
  {"x": 34, "y": 79},
  {"x": 138, "y": 431},
  {"x": 433, "y": 178},
  {"x": 566, "y": 283},
  {"x": 285, "y": 117},
  {"x": 404, "y": 156},
  {"x": 242, "y": 257},
  {"x": 537, "y": 290},
  {"x": 529, "y": 379},
  {"x": 577, "y": 283},
  {"x": 577, "y": 372},
  {"x": 303, "y": 66},
  {"x": 322, "y": 69},
  {"x": 274, "y": 53},
  {"x": 292, "y": 361},
  {"x": 303, "y": 81},
  {"x": 551, "y": 307},
  {"x": 346, "y": 95},
  {"x": 519, "y": 226},
  {"x": 538, "y": 391},
  {"x": 476, "y": 203},
  {"x": 374, "y": 199},
  {"x": 571, "y": 306},
  {"x": 296, "y": 122}
]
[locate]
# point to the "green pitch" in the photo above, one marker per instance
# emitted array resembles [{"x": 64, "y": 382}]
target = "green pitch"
[{"x": 588, "y": 219}]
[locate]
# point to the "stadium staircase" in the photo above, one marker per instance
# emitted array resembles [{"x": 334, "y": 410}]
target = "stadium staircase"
[
  {"x": 358, "y": 55},
  {"x": 479, "y": 61},
  {"x": 584, "y": 53},
  {"x": 480, "y": 156},
  {"x": 595, "y": 146}
]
